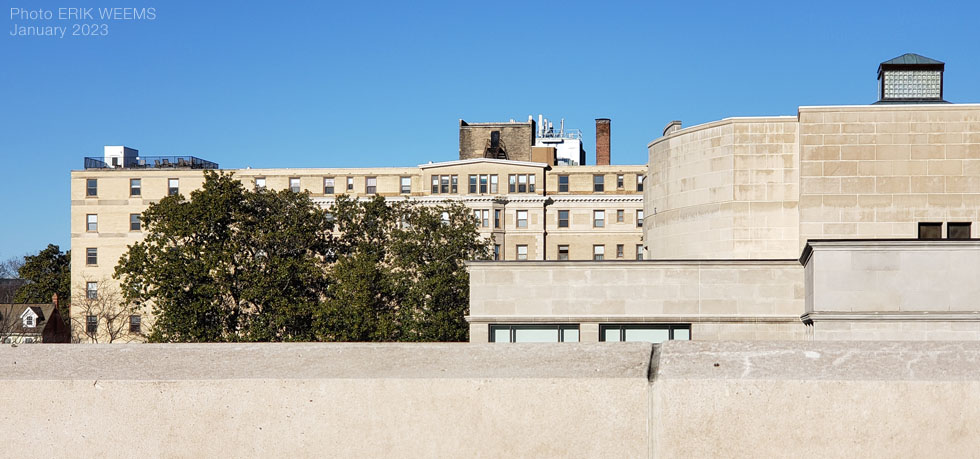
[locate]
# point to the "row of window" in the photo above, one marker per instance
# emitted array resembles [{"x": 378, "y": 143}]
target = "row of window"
[
  {"x": 482, "y": 217},
  {"x": 135, "y": 187},
  {"x": 598, "y": 252},
  {"x": 954, "y": 230},
  {"x": 569, "y": 333},
  {"x": 441, "y": 184},
  {"x": 92, "y": 324},
  {"x": 92, "y": 223}
]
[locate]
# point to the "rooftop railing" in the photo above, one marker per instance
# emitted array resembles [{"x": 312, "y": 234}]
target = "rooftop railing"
[{"x": 153, "y": 162}]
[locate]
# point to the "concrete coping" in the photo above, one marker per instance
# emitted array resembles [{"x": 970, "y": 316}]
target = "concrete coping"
[
  {"x": 819, "y": 360},
  {"x": 169, "y": 362},
  {"x": 885, "y": 244},
  {"x": 511, "y": 264},
  {"x": 724, "y": 121}
]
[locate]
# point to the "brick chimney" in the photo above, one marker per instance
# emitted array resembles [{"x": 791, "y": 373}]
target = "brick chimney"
[{"x": 602, "y": 141}]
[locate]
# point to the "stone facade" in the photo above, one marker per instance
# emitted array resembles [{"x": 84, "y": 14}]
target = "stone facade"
[{"x": 516, "y": 139}]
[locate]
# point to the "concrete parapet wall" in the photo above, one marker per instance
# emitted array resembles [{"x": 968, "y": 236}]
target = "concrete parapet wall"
[{"x": 681, "y": 399}]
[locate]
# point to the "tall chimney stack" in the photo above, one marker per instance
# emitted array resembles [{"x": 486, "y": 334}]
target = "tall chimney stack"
[{"x": 602, "y": 141}]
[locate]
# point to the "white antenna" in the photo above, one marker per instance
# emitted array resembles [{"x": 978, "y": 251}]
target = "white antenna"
[{"x": 562, "y": 132}]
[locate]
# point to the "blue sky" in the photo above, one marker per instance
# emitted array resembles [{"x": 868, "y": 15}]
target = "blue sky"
[{"x": 318, "y": 84}]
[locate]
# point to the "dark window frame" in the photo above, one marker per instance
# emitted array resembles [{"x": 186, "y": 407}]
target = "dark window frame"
[
  {"x": 136, "y": 225},
  {"x": 91, "y": 187},
  {"x": 634, "y": 326},
  {"x": 563, "y": 223},
  {"x": 926, "y": 228},
  {"x": 91, "y": 324},
  {"x": 512, "y": 330},
  {"x": 91, "y": 256},
  {"x": 135, "y": 187},
  {"x": 563, "y": 187},
  {"x": 959, "y": 226}
]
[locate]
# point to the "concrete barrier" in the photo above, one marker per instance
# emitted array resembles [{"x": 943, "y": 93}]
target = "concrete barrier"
[{"x": 682, "y": 399}]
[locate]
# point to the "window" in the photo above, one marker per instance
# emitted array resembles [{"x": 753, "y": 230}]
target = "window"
[
  {"x": 135, "y": 187},
  {"x": 91, "y": 222},
  {"x": 328, "y": 185},
  {"x": 371, "y": 185},
  {"x": 563, "y": 219},
  {"x": 652, "y": 333},
  {"x": 294, "y": 184},
  {"x": 563, "y": 252},
  {"x": 619, "y": 215},
  {"x": 930, "y": 230},
  {"x": 173, "y": 186},
  {"x": 958, "y": 230},
  {"x": 598, "y": 252},
  {"x": 472, "y": 184},
  {"x": 444, "y": 181},
  {"x": 563, "y": 184},
  {"x": 598, "y": 183},
  {"x": 484, "y": 183},
  {"x": 522, "y": 219},
  {"x": 522, "y": 252},
  {"x": 512, "y": 183},
  {"x": 496, "y": 251},
  {"x": 259, "y": 183},
  {"x": 493, "y": 183},
  {"x": 455, "y": 189},
  {"x": 29, "y": 321},
  {"x": 350, "y": 184},
  {"x": 134, "y": 222},
  {"x": 619, "y": 250},
  {"x": 91, "y": 324},
  {"x": 445, "y": 184},
  {"x": 564, "y": 333},
  {"x": 598, "y": 218},
  {"x": 530, "y": 183},
  {"x": 521, "y": 183},
  {"x": 91, "y": 256},
  {"x": 406, "y": 185},
  {"x": 92, "y": 187},
  {"x": 619, "y": 182},
  {"x": 496, "y": 218},
  {"x": 435, "y": 184},
  {"x": 482, "y": 217},
  {"x": 639, "y": 251},
  {"x": 639, "y": 218},
  {"x": 92, "y": 290},
  {"x": 134, "y": 324},
  {"x": 639, "y": 182}
]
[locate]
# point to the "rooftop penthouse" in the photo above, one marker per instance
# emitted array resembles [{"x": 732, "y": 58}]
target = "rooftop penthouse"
[{"x": 119, "y": 157}]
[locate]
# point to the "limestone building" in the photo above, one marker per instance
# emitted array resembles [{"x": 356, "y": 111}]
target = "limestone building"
[
  {"x": 534, "y": 206},
  {"x": 842, "y": 222}
]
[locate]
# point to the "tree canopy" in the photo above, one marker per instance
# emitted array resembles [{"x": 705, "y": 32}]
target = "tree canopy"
[
  {"x": 47, "y": 273},
  {"x": 234, "y": 264}
]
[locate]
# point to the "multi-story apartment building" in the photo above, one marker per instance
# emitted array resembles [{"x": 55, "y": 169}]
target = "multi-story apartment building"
[
  {"x": 842, "y": 222},
  {"x": 533, "y": 208}
]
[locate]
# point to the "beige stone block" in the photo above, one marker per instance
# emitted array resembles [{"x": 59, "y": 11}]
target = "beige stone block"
[
  {"x": 823, "y": 128},
  {"x": 892, "y": 127},
  {"x": 874, "y": 201},
  {"x": 892, "y": 152},
  {"x": 857, "y": 152},
  {"x": 892, "y": 184},
  {"x": 927, "y": 127},
  {"x": 857, "y": 215},
  {"x": 928, "y": 152},
  {"x": 840, "y": 200},
  {"x": 840, "y": 229},
  {"x": 820, "y": 185},
  {"x": 823, "y": 152},
  {"x": 811, "y": 168},
  {"x": 928, "y": 184},
  {"x": 811, "y": 139},
  {"x": 963, "y": 151},
  {"x": 840, "y": 168},
  {"x": 963, "y": 184},
  {"x": 857, "y": 184},
  {"x": 858, "y": 128},
  {"x": 945, "y": 167}
]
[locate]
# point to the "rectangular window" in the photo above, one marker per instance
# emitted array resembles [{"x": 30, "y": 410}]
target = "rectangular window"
[
  {"x": 259, "y": 183},
  {"x": 496, "y": 251},
  {"x": 598, "y": 218},
  {"x": 530, "y": 183},
  {"x": 406, "y": 185},
  {"x": 620, "y": 182},
  {"x": 444, "y": 181},
  {"x": 493, "y": 183},
  {"x": 563, "y": 219},
  {"x": 563, "y": 252},
  {"x": 435, "y": 184},
  {"x": 522, "y": 183},
  {"x": 92, "y": 187},
  {"x": 651, "y": 333},
  {"x": 455, "y": 185},
  {"x": 173, "y": 186},
  {"x": 619, "y": 215},
  {"x": 134, "y": 324},
  {"x": 328, "y": 185},
  {"x": 91, "y": 324},
  {"x": 620, "y": 251},
  {"x": 486, "y": 218},
  {"x": 134, "y": 222},
  {"x": 91, "y": 223},
  {"x": 639, "y": 218},
  {"x": 496, "y": 218},
  {"x": 958, "y": 230},
  {"x": 598, "y": 183},
  {"x": 91, "y": 256},
  {"x": 472, "y": 184},
  {"x": 639, "y": 182},
  {"x": 522, "y": 252},
  {"x": 294, "y": 184},
  {"x": 135, "y": 187},
  {"x": 557, "y": 333},
  {"x": 350, "y": 184},
  {"x": 484, "y": 182},
  {"x": 639, "y": 251},
  {"x": 598, "y": 252},
  {"x": 930, "y": 230},
  {"x": 92, "y": 290},
  {"x": 512, "y": 183},
  {"x": 563, "y": 184},
  {"x": 522, "y": 219},
  {"x": 371, "y": 185}
]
